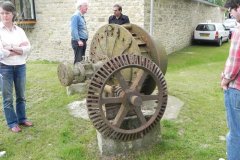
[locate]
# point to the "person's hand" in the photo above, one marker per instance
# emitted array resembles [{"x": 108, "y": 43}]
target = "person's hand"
[
  {"x": 12, "y": 53},
  {"x": 7, "y": 47},
  {"x": 224, "y": 84},
  {"x": 23, "y": 44},
  {"x": 80, "y": 43}
]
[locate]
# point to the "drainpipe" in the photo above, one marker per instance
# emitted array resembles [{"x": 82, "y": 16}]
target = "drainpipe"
[{"x": 151, "y": 18}]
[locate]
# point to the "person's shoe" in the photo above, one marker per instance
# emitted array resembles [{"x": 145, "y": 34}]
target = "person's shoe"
[
  {"x": 16, "y": 129},
  {"x": 2, "y": 153},
  {"x": 27, "y": 124}
]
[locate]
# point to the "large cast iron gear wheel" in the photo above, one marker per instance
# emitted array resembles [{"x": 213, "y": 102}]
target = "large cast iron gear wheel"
[{"x": 130, "y": 101}]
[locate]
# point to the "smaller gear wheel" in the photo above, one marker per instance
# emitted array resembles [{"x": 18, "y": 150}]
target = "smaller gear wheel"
[{"x": 130, "y": 121}]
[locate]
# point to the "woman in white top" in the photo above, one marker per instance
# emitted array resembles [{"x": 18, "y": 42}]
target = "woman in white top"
[{"x": 14, "y": 49}]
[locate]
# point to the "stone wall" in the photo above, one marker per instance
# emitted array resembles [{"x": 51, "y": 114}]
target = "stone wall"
[
  {"x": 50, "y": 37},
  {"x": 174, "y": 21}
]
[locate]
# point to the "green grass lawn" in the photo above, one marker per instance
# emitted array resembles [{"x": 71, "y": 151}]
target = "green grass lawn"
[{"x": 193, "y": 76}]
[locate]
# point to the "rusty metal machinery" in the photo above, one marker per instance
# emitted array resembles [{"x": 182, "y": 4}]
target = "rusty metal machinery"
[
  {"x": 129, "y": 101},
  {"x": 113, "y": 40},
  {"x": 126, "y": 70}
]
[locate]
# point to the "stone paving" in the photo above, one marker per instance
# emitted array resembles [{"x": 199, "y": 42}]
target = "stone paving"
[{"x": 79, "y": 109}]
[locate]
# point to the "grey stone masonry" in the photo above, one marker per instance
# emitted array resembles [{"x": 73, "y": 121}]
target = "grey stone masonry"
[
  {"x": 174, "y": 21},
  {"x": 50, "y": 37},
  {"x": 109, "y": 147}
]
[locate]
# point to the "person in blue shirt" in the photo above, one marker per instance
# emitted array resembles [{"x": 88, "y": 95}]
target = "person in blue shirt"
[{"x": 79, "y": 33}]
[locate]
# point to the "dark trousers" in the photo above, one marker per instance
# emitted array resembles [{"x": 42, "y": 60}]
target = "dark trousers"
[{"x": 79, "y": 51}]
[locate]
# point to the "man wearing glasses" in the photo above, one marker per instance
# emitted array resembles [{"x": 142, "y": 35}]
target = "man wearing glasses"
[
  {"x": 118, "y": 17},
  {"x": 231, "y": 85}
]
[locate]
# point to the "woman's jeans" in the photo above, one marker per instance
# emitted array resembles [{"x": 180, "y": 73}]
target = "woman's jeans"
[
  {"x": 232, "y": 103},
  {"x": 13, "y": 75},
  {"x": 0, "y": 84}
]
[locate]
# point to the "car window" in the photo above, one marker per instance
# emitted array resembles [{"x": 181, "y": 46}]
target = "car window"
[
  {"x": 220, "y": 27},
  {"x": 206, "y": 27},
  {"x": 224, "y": 27}
]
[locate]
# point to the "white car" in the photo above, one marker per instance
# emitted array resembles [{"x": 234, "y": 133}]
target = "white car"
[
  {"x": 211, "y": 32},
  {"x": 230, "y": 24}
]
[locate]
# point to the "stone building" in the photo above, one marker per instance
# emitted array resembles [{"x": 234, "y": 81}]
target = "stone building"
[{"x": 174, "y": 22}]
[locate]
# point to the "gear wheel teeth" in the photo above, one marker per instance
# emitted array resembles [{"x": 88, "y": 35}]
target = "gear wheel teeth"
[{"x": 127, "y": 98}]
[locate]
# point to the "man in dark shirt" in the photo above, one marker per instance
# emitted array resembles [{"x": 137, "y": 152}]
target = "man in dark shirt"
[{"x": 118, "y": 17}]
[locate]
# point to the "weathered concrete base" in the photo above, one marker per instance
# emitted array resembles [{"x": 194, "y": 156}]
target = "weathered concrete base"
[
  {"x": 79, "y": 88},
  {"x": 79, "y": 109},
  {"x": 110, "y": 147}
]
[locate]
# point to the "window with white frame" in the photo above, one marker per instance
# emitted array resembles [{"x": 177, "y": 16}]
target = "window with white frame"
[{"x": 25, "y": 10}]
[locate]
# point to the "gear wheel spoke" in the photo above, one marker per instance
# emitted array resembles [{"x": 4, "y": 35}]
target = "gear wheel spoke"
[
  {"x": 121, "y": 81},
  {"x": 122, "y": 113},
  {"x": 141, "y": 77},
  {"x": 140, "y": 115},
  {"x": 111, "y": 100},
  {"x": 149, "y": 97}
]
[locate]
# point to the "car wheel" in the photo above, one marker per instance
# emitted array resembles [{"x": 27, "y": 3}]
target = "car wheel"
[
  {"x": 193, "y": 42},
  {"x": 220, "y": 42},
  {"x": 227, "y": 39}
]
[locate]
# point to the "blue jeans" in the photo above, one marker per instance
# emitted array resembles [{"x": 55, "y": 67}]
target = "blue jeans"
[
  {"x": 0, "y": 84},
  {"x": 13, "y": 75},
  {"x": 232, "y": 103}
]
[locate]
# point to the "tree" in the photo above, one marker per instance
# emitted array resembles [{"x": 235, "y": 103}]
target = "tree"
[{"x": 218, "y": 2}]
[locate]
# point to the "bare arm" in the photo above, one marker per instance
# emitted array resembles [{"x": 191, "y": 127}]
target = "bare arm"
[{"x": 14, "y": 49}]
